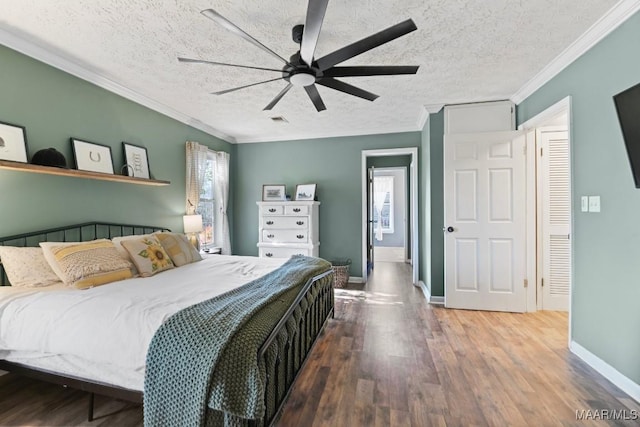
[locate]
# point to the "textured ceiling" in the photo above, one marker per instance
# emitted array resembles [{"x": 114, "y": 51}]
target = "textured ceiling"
[{"x": 467, "y": 51}]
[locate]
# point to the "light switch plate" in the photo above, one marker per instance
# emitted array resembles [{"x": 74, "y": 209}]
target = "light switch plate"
[
  {"x": 594, "y": 203},
  {"x": 584, "y": 205}
]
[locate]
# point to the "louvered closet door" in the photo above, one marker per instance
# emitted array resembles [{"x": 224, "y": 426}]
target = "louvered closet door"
[{"x": 555, "y": 192}]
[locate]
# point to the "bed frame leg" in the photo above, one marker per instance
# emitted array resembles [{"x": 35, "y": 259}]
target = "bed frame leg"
[{"x": 91, "y": 400}]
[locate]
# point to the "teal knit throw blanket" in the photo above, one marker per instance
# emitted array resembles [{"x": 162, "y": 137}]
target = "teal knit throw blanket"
[{"x": 183, "y": 383}]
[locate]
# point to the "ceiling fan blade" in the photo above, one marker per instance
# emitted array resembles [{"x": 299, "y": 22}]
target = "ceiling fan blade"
[
  {"x": 313, "y": 93},
  {"x": 222, "y": 92},
  {"x": 202, "y": 61},
  {"x": 230, "y": 26},
  {"x": 374, "y": 70},
  {"x": 366, "y": 44},
  {"x": 278, "y": 97},
  {"x": 347, "y": 88},
  {"x": 315, "y": 15}
]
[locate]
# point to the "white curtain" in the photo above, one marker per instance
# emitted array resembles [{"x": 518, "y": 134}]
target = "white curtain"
[
  {"x": 221, "y": 197},
  {"x": 196, "y": 167},
  {"x": 381, "y": 186}
]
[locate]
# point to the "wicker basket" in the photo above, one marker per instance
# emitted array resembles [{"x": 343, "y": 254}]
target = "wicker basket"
[{"x": 340, "y": 272}]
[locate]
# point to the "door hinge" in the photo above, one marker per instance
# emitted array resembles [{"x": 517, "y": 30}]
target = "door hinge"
[
  {"x": 542, "y": 283},
  {"x": 526, "y": 283},
  {"x": 540, "y": 151}
]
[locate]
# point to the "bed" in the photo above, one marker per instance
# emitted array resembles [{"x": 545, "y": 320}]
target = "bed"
[{"x": 117, "y": 340}]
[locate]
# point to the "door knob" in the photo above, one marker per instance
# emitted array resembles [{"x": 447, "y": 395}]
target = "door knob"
[{"x": 450, "y": 229}]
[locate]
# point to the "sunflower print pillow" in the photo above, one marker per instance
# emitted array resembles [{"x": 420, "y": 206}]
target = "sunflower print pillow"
[{"x": 148, "y": 255}]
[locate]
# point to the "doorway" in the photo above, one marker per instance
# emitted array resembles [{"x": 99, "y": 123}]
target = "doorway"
[
  {"x": 549, "y": 200},
  {"x": 389, "y": 214},
  {"x": 381, "y": 158}
]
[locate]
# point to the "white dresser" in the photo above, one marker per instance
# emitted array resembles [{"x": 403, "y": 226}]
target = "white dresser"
[{"x": 288, "y": 228}]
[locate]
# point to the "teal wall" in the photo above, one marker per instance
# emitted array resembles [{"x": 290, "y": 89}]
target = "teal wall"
[
  {"x": 436, "y": 141},
  {"x": 606, "y": 245},
  {"x": 53, "y": 106},
  {"x": 334, "y": 164}
]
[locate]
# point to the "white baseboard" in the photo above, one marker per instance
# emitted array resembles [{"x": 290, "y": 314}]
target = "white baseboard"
[
  {"x": 437, "y": 300},
  {"x": 425, "y": 289},
  {"x": 356, "y": 279},
  {"x": 607, "y": 371},
  {"x": 427, "y": 294}
]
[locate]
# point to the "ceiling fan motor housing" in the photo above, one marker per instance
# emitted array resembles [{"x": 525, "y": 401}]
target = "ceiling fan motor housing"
[
  {"x": 298, "y": 73},
  {"x": 296, "y": 33}
]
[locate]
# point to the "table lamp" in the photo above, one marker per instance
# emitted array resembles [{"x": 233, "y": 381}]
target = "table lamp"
[{"x": 192, "y": 228}]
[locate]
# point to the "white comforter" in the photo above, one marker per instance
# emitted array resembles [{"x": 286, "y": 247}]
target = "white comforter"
[{"x": 103, "y": 333}]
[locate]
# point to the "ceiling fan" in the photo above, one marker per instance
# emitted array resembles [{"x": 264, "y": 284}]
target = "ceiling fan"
[{"x": 304, "y": 70}]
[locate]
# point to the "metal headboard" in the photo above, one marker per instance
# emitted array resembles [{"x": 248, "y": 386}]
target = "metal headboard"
[{"x": 74, "y": 233}]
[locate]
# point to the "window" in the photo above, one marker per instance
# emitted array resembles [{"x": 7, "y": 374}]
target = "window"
[
  {"x": 206, "y": 204},
  {"x": 383, "y": 200}
]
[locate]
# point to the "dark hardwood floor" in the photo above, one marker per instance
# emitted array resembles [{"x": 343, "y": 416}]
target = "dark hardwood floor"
[{"x": 390, "y": 359}]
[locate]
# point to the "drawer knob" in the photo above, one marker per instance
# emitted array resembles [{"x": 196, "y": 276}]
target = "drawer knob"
[
  {"x": 300, "y": 236},
  {"x": 299, "y": 222},
  {"x": 270, "y": 236},
  {"x": 268, "y": 254},
  {"x": 272, "y": 210},
  {"x": 296, "y": 209},
  {"x": 269, "y": 222}
]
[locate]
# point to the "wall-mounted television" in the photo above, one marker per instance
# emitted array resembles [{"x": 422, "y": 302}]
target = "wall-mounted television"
[{"x": 628, "y": 108}]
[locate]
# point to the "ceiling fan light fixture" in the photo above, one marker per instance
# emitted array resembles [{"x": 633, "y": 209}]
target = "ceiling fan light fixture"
[{"x": 302, "y": 79}]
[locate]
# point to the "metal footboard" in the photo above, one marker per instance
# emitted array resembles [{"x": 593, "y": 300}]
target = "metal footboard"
[{"x": 287, "y": 347}]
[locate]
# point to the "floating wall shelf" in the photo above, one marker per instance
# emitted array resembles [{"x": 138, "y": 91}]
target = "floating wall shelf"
[{"x": 25, "y": 167}]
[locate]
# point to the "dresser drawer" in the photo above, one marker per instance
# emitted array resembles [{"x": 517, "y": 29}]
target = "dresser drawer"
[
  {"x": 285, "y": 236},
  {"x": 294, "y": 222},
  {"x": 273, "y": 210},
  {"x": 282, "y": 252},
  {"x": 296, "y": 210}
]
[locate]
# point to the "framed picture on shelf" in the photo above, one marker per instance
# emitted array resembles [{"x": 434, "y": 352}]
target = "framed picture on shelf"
[
  {"x": 273, "y": 192},
  {"x": 136, "y": 161},
  {"x": 305, "y": 192},
  {"x": 92, "y": 157},
  {"x": 13, "y": 143}
]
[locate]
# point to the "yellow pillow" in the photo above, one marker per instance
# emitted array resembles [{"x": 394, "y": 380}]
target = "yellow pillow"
[
  {"x": 178, "y": 247},
  {"x": 89, "y": 264},
  {"x": 148, "y": 255}
]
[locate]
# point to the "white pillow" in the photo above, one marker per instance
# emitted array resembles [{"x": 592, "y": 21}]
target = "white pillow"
[{"x": 27, "y": 267}]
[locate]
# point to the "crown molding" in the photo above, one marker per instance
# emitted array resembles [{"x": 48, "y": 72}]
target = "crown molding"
[
  {"x": 433, "y": 108},
  {"x": 422, "y": 119},
  {"x": 69, "y": 66},
  {"x": 330, "y": 134},
  {"x": 618, "y": 14}
]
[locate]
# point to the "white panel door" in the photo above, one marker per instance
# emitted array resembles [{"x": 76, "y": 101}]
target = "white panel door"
[
  {"x": 484, "y": 184},
  {"x": 554, "y": 192}
]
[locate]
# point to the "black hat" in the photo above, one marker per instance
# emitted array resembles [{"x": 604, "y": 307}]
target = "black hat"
[{"x": 49, "y": 157}]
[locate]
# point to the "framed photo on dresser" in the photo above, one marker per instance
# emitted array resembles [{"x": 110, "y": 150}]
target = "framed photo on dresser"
[
  {"x": 305, "y": 192},
  {"x": 274, "y": 192}
]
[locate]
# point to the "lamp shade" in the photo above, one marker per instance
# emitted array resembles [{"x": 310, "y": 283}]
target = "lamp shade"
[{"x": 192, "y": 223}]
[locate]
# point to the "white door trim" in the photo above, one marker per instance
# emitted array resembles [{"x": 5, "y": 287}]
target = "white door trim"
[
  {"x": 562, "y": 106},
  {"x": 413, "y": 204}
]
